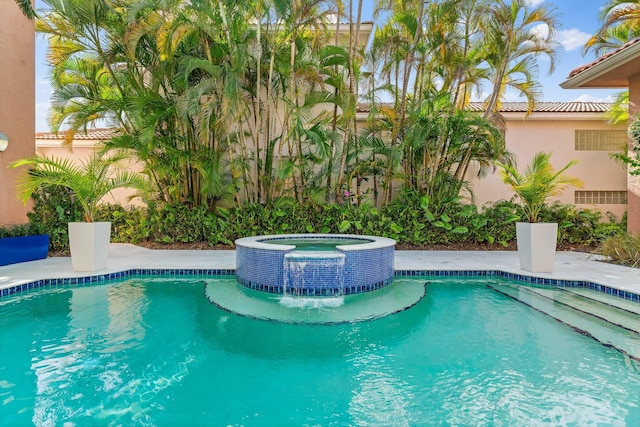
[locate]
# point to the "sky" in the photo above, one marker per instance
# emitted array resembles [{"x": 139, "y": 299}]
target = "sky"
[{"x": 579, "y": 19}]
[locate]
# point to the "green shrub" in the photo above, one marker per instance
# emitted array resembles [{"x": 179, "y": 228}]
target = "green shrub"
[
  {"x": 622, "y": 249},
  {"x": 581, "y": 226},
  {"x": 54, "y": 208},
  {"x": 18, "y": 230},
  {"x": 409, "y": 220},
  {"x": 496, "y": 223},
  {"x": 128, "y": 224},
  {"x": 181, "y": 223},
  {"x": 161, "y": 223}
]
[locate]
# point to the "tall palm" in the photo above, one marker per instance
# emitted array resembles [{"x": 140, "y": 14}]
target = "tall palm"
[
  {"x": 512, "y": 44},
  {"x": 611, "y": 38},
  {"x": 133, "y": 68},
  {"x": 27, "y": 8},
  {"x": 86, "y": 54},
  {"x": 620, "y": 21},
  {"x": 351, "y": 130},
  {"x": 460, "y": 53}
]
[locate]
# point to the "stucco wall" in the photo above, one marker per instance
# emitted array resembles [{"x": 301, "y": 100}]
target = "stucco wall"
[
  {"x": 547, "y": 133},
  {"x": 17, "y": 104},
  {"x": 633, "y": 182},
  {"x": 83, "y": 150},
  {"x": 554, "y": 132}
]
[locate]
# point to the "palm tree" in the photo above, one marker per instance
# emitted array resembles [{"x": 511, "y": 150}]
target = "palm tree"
[
  {"x": 27, "y": 8},
  {"x": 611, "y": 38},
  {"x": 537, "y": 183},
  {"x": 444, "y": 143},
  {"x": 620, "y": 23},
  {"x": 512, "y": 44},
  {"x": 151, "y": 75},
  {"x": 90, "y": 181}
]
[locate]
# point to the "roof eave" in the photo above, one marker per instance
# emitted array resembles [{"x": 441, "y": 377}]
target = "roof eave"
[
  {"x": 601, "y": 68},
  {"x": 555, "y": 116}
]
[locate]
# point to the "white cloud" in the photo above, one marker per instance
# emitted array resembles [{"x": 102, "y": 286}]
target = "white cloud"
[
  {"x": 42, "y": 110},
  {"x": 479, "y": 96},
  {"x": 535, "y": 2},
  {"x": 611, "y": 98},
  {"x": 43, "y": 89},
  {"x": 513, "y": 96},
  {"x": 572, "y": 39},
  {"x": 541, "y": 30},
  {"x": 589, "y": 98}
]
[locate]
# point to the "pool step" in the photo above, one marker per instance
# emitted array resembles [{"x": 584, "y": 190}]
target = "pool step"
[
  {"x": 606, "y": 312},
  {"x": 622, "y": 304},
  {"x": 605, "y": 323}
]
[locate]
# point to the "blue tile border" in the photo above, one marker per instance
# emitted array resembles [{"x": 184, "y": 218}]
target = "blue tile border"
[
  {"x": 43, "y": 283},
  {"x": 135, "y": 272},
  {"x": 317, "y": 291},
  {"x": 265, "y": 266},
  {"x": 525, "y": 279}
]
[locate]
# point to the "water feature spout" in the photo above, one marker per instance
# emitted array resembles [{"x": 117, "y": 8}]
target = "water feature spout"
[{"x": 314, "y": 273}]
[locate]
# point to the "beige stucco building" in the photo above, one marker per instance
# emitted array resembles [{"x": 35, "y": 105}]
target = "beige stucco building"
[
  {"x": 619, "y": 68},
  {"x": 17, "y": 104},
  {"x": 570, "y": 130},
  {"x": 83, "y": 146}
]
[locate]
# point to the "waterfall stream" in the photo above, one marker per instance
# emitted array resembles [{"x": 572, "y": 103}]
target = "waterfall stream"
[{"x": 308, "y": 273}]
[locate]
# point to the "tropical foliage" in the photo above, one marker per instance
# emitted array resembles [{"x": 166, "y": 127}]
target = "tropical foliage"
[
  {"x": 620, "y": 23},
  {"x": 631, "y": 157},
  {"x": 409, "y": 219},
  {"x": 537, "y": 183},
  {"x": 26, "y": 6},
  {"x": 255, "y": 100},
  {"x": 88, "y": 182}
]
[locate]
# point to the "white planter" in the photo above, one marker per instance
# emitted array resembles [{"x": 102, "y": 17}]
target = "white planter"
[
  {"x": 537, "y": 246},
  {"x": 89, "y": 245}
]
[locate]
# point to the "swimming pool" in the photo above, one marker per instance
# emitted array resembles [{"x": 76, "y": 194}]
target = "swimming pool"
[{"x": 155, "y": 351}]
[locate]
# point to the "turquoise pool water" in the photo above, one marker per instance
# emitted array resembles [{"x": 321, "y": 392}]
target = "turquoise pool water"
[
  {"x": 316, "y": 244},
  {"x": 154, "y": 351}
]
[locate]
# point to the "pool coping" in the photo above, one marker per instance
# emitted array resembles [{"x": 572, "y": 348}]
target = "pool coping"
[
  {"x": 368, "y": 242},
  {"x": 578, "y": 267},
  {"x": 521, "y": 278}
]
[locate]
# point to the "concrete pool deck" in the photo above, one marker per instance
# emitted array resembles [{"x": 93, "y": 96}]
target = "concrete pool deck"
[{"x": 123, "y": 257}]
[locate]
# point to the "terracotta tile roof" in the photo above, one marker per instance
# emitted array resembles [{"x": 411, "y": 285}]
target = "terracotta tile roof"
[
  {"x": 584, "y": 67},
  {"x": 521, "y": 107},
  {"x": 507, "y": 107},
  {"x": 549, "y": 107},
  {"x": 93, "y": 134}
]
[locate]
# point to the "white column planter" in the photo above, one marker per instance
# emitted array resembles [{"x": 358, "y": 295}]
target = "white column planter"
[
  {"x": 89, "y": 245},
  {"x": 537, "y": 246}
]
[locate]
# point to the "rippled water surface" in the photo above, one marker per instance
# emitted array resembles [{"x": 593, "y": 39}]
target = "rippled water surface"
[{"x": 149, "y": 351}]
